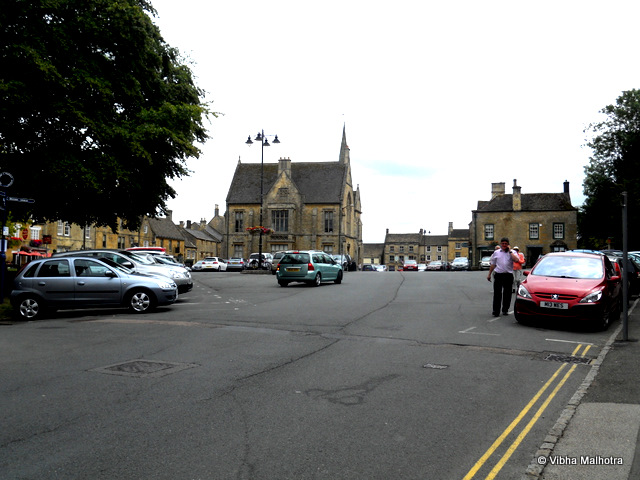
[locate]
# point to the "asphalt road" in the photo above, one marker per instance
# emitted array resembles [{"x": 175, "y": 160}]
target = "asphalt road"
[{"x": 387, "y": 376}]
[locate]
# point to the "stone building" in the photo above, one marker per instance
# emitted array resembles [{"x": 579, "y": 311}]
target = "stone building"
[
  {"x": 538, "y": 223},
  {"x": 311, "y": 205},
  {"x": 458, "y": 243}
]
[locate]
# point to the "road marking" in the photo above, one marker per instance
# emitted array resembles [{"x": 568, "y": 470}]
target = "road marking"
[
  {"x": 468, "y": 330},
  {"x": 503, "y": 460},
  {"x": 568, "y": 341}
]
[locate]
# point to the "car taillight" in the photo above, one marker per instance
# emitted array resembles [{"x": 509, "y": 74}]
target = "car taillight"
[{"x": 310, "y": 267}]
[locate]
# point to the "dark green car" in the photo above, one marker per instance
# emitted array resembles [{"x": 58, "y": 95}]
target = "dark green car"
[{"x": 309, "y": 266}]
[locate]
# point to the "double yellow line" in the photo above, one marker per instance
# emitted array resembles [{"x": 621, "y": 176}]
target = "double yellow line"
[{"x": 512, "y": 448}]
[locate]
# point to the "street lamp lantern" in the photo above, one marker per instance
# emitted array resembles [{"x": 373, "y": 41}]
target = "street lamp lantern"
[{"x": 262, "y": 138}]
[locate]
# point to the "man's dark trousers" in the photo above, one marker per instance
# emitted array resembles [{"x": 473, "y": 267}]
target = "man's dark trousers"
[{"x": 502, "y": 285}]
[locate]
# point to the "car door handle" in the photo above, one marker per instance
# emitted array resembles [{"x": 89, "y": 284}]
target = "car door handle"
[
  {"x": 81, "y": 283},
  {"x": 42, "y": 283}
]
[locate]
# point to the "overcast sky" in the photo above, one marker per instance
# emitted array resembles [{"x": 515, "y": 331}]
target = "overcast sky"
[{"x": 439, "y": 99}]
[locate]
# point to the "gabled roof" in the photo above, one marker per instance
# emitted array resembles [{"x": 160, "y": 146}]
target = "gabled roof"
[
  {"x": 529, "y": 201},
  {"x": 414, "y": 238},
  {"x": 318, "y": 182},
  {"x": 373, "y": 249},
  {"x": 436, "y": 239},
  {"x": 459, "y": 233},
  {"x": 165, "y": 228}
]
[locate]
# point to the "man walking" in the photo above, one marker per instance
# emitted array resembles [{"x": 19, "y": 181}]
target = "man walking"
[{"x": 502, "y": 264}]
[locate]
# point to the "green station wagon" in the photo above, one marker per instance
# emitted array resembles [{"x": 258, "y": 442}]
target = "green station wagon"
[{"x": 311, "y": 267}]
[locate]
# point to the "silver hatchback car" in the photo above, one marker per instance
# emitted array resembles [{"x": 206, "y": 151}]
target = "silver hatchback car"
[{"x": 85, "y": 282}]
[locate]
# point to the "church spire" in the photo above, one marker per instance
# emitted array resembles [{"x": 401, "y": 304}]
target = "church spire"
[{"x": 344, "y": 148}]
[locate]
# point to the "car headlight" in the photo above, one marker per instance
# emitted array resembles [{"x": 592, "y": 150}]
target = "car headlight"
[
  {"x": 177, "y": 274},
  {"x": 165, "y": 285},
  {"x": 592, "y": 297},
  {"x": 523, "y": 292}
]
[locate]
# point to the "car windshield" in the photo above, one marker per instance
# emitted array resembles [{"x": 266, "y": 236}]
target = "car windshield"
[
  {"x": 138, "y": 258},
  {"x": 569, "y": 267},
  {"x": 295, "y": 258},
  {"x": 116, "y": 265},
  {"x": 460, "y": 260}
]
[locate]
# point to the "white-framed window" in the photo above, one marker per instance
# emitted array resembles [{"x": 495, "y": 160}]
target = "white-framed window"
[
  {"x": 439, "y": 249},
  {"x": 428, "y": 248},
  {"x": 35, "y": 232},
  {"x": 534, "y": 231},
  {"x": 402, "y": 248},
  {"x": 488, "y": 231},
  {"x": 558, "y": 230},
  {"x": 458, "y": 245},
  {"x": 60, "y": 228},
  {"x": 87, "y": 231}
]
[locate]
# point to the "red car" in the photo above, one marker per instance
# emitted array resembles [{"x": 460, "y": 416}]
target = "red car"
[
  {"x": 570, "y": 286},
  {"x": 410, "y": 265}
]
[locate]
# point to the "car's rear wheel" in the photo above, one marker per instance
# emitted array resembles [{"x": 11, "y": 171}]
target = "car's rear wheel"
[
  {"x": 141, "y": 301},
  {"x": 338, "y": 279},
  {"x": 317, "y": 280},
  {"x": 30, "y": 308}
]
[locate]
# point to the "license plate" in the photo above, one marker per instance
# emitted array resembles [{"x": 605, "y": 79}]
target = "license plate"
[
  {"x": 559, "y": 305},
  {"x": 296, "y": 269}
]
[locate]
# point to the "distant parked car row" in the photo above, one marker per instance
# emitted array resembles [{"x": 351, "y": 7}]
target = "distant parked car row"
[{"x": 97, "y": 278}]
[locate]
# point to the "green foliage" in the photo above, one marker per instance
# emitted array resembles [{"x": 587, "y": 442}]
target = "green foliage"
[
  {"x": 97, "y": 112},
  {"x": 614, "y": 167}
]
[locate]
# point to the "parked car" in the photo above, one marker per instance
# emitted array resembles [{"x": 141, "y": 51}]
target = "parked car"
[
  {"x": 236, "y": 264},
  {"x": 381, "y": 268},
  {"x": 276, "y": 259},
  {"x": 460, "y": 263},
  {"x": 422, "y": 267},
  {"x": 86, "y": 282},
  {"x": 485, "y": 263},
  {"x": 570, "y": 286},
  {"x": 435, "y": 265},
  {"x": 410, "y": 266},
  {"x": 367, "y": 267},
  {"x": 344, "y": 260},
  {"x": 267, "y": 261},
  {"x": 139, "y": 264},
  {"x": 310, "y": 266},
  {"x": 210, "y": 264}
]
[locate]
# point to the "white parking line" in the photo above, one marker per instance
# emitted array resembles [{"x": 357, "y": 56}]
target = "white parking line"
[
  {"x": 568, "y": 341},
  {"x": 468, "y": 330}
]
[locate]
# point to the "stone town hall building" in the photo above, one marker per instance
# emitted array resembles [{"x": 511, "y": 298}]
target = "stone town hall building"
[{"x": 307, "y": 205}]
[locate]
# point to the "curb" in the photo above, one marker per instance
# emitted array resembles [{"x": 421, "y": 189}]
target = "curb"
[{"x": 534, "y": 471}]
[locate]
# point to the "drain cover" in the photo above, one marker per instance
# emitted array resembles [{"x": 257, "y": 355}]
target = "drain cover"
[
  {"x": 554, "y": 357},
  {"x": 144, "y": 368}
]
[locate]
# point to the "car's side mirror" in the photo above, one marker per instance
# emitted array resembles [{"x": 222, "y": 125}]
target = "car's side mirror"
[
  {"x": 615, "y": 278},
  {"x": 110, "y": 273},
  {"x": 526, "y": 272}
]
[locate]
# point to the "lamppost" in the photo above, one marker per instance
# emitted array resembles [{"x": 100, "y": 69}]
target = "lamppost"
[{"x": 262, "y": 138}]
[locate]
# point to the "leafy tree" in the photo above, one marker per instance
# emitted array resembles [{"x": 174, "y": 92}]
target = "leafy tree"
[
  {"x": 97, "y": 112},
  {"x": 614, "y": 167}
]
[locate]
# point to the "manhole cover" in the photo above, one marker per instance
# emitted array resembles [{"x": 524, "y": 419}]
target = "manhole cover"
[
  {"x": 554, "y": 357},
  {"x": 144, "y": 368}
]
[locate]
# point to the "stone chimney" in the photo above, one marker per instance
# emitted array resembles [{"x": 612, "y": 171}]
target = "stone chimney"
[
  {"x": 182, "y": 224},
  {"x": 421, "y": 232},
  {"x": 566, "y": 189},
  {"x": 450, "y": 227},
  {"x": 497, "y": 189},
  {"x": 188, "y": 223},
  {"x": 517, "y": 197},
  {"x": 168, "y": 214},
  {"x": 203, "y": 224},
  {"x": 284, "y": 165}
]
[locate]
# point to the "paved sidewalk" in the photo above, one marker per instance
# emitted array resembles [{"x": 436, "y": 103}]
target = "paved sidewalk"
[{"x": 597, "y": 436}]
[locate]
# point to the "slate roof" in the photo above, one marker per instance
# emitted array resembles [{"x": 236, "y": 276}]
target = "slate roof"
[
  {"x": 165, "y": 228},
  {"x": 414, "y": 238},
  {"x": 436, "y": 240},
  {"x": 459, "y": 233},
  {"x": 373, "y": 249},
  {"x": 318, "y": 182},
  {"x": 529, "y": 201}
]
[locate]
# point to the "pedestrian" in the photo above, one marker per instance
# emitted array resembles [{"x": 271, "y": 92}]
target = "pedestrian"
[
  {"x": 502, "y": 263},
  {"x": 517, "y": 270}
]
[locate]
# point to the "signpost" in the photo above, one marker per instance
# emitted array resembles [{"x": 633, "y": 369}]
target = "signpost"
[{"x": 6, "y": 180}]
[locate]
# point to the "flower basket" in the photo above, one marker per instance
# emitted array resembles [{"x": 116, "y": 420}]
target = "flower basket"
[{"x": 258, "y": 230}]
